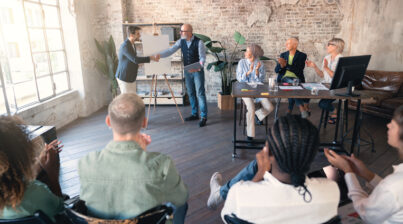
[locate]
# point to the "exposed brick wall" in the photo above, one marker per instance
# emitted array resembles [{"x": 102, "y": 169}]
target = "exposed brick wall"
[{"x": 268, "y": 23}]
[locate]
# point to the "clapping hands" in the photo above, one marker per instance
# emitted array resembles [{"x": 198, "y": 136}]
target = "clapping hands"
[{"x": 282, "y": 62}]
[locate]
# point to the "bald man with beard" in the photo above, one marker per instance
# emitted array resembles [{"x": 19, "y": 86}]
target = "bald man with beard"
[{"x": 193, "y": 51}]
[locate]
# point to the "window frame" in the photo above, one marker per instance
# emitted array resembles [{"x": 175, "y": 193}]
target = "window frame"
[{"x": 11, "y": 84}]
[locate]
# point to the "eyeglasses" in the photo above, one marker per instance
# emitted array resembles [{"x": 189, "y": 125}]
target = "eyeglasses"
[
  {"x": 184, "y": 31},
  {"x": 328, "y": 44}
]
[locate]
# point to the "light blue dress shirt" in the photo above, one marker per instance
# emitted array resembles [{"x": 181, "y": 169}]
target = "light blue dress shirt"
[
  {"x": 243, "y": 68},
  {"x": 202, "y": 49}
]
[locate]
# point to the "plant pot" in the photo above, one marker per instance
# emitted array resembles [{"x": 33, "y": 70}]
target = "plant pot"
[{"x": 225, "y": 102}]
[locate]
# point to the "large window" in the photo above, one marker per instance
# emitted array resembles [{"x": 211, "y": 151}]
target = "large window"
[{"x": 32, "y": 53}]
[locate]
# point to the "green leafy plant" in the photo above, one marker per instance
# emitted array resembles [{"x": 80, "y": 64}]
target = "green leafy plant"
[
  {"x": 224, "y": 63},
  {"x": 109, "y": 63}
]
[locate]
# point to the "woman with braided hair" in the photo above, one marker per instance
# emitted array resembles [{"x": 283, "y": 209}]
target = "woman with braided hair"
[
  {"x": 273, "y": 185},
  {"x": 20, "y": 194}
]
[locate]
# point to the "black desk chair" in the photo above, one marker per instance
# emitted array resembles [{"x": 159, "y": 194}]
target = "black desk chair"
[
  {"x": 38, "y": 218},
  {"x": 234, "y": 220},
  {"x": 156, "y": 215}
]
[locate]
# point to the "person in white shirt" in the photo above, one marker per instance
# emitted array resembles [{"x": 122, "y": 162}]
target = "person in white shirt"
[
  {"x": 385, "y": 204},
  {"x": 251, "y": 70},
  {"x": 280, "y": 191},
  {"x": 335, "y": 47}
]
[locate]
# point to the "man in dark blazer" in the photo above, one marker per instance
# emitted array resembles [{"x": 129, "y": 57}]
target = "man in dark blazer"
[
  {"x": 290, "y": 67},
  {"x": 126, "y": 72}
]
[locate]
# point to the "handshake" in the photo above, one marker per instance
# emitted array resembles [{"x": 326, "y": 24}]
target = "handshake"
[{"x": 155, "y": 58}]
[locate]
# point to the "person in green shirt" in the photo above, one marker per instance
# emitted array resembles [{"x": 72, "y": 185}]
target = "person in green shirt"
[
  {"x": 123, "y": 180},
  {"x": 22, "y": 195}
]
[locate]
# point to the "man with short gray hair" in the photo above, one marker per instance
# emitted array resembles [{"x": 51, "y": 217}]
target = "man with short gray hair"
[
  {"x": 123, "y": 180},
  {"x": 193, "y": 51},
  {"x": 290, "y": 68}
]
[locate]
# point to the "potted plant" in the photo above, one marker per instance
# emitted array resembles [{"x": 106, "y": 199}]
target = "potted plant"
[
  {"x": 223, "y": 64},
  {"x": 109, "y": 63}
]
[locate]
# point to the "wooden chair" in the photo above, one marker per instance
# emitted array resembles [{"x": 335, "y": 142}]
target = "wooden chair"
[{"x": 156, "y": 215}]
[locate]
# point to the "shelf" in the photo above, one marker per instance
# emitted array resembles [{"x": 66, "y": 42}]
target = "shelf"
[
  {"x": 159, "y": 77},
  {"x": 139, "y": 42},
  {"x": 151, "y": 24},
  {"x": 163, "y": 101},
  {"x": 160, "y": 96}
]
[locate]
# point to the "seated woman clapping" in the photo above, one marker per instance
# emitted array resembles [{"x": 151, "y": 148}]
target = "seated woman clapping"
[
  {"x": 21, "y": 195},
  {"x": 335, "y": 49},
  {"x": 251, "y": 70},
  {"x": 385, "y": 203}
]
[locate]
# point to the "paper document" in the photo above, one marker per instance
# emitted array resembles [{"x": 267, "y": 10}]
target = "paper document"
[
  {"x": 195, "y": 65},
  {"x": 254, "y": 84},
  {"x": 291, "y": 88},
  {"x": 318, "y": 86},
  {"x": 152, "y": 45}
]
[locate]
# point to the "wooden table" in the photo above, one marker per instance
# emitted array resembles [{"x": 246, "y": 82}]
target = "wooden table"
[{"x": 301, "y": 94}]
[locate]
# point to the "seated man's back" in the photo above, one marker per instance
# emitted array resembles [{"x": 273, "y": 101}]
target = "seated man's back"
[{"x": 122, "y": 181}]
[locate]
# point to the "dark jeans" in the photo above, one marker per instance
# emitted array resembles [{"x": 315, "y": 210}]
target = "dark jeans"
[
  {"x": 326, "y": 104},
  {"x": 196, "y": 92},
  {"x": 292, "y": 101},
  {"x": 180, "y": 214},
  {"x": 245, "y": 174}
]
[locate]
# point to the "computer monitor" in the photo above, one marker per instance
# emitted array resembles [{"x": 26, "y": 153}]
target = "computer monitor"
[{"x": 349, "y": 72}]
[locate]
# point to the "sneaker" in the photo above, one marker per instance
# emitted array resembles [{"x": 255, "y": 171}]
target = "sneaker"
[
  {"x": 257, "y": 121},
  {"x": 192, "y": 118},
  {"x": 304, "y": 114},
  {"x": 215, "y": 198},
  {"x": 202, "y": 122}
]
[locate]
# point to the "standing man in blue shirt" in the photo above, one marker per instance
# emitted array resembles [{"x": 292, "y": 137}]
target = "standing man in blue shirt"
[
  {"x": 129, "y": 61},
  {"x": 193, "y": 50}
]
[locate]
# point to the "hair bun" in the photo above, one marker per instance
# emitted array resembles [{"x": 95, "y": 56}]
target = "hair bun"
[{"x": 297, "y": 179}]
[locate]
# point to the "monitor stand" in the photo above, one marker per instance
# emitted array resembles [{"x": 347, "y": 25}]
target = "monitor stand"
[{"x": 349, "y": 91}]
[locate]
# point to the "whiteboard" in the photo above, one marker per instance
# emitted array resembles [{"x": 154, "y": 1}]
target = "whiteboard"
[{"x": 153, "y": 45}]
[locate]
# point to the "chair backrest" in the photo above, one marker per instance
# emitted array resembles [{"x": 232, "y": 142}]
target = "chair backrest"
[
  {"x": 232, "y": 219},
  {"x": 156, "y": 215},
  {"x": 38, "y": 218}
]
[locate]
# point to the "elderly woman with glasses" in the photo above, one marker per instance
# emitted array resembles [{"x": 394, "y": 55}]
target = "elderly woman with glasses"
[
  {"x": 334, "y": 49},
  {"x": 250, "y": 69}
]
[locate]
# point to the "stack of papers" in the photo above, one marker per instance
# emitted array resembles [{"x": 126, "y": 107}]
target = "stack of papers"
[
  {"x": 318, "y": 86},
  {"x": 290, "y": 87}
]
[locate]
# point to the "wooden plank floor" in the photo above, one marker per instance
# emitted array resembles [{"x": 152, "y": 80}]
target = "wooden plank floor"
[{"x": 199, "y": 152}]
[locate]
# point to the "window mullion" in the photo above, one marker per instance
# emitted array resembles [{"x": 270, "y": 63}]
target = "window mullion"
[
  {"x": 30, "y": 48},
  {"x": 4, "y": 91},
  {"x": 64, "y": 47},
  {"x": 47, "y": 50}
]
